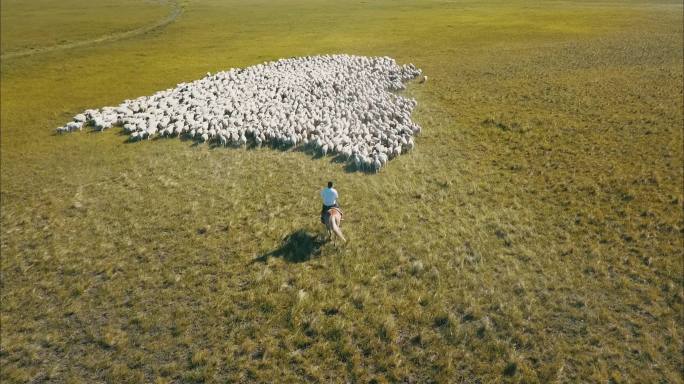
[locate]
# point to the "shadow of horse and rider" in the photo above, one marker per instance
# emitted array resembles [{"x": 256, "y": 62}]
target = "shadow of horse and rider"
[
  {"x": 302, "y": 245},
  {"x": 297, "y": 247}
]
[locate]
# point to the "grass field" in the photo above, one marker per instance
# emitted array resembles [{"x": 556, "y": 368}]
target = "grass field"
[
  {"x": 32, "y": 25},
  {"x": 534, "y": 234}
]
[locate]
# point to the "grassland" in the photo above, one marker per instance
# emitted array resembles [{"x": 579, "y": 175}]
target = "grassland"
[
  {"x": 30, "y": 26},
  {"x": 534, "y": 235}
]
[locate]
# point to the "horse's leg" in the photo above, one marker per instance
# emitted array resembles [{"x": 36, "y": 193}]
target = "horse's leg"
[{"x": 336, "y": 227}]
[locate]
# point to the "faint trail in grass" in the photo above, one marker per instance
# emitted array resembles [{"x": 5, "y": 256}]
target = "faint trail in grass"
[{"x": 177, "y": 10}]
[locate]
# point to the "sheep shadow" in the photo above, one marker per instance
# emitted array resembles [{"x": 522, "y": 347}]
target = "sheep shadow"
[
  {"x": 297, "y": 247},
  {"x": 307, "y": 149}
]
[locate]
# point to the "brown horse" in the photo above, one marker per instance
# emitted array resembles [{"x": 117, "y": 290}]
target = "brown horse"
[{"x": 332, "y": 223}]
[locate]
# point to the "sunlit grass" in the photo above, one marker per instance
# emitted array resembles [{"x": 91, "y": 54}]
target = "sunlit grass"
[
  {"x": 534, "y": 235},
  {"x": 41, "y": 23}
]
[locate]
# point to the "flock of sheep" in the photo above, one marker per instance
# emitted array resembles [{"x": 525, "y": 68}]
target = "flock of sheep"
[{"x": 333, "y": 104}]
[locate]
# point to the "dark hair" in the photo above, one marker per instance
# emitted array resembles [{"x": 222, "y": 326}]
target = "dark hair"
[{"x": 329, "y": 184}]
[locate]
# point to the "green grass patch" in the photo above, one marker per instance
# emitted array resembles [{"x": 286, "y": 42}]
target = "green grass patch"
[{"x": 31, "y": 25}]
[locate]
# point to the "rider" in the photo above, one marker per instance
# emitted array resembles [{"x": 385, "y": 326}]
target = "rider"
[{"x": 329, "y": 196}]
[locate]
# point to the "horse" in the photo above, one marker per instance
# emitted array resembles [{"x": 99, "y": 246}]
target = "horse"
[{"x": 332, "y": 223}]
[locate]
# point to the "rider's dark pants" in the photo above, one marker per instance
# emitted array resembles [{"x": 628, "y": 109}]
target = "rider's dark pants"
[{"x": 325, "y": 209}]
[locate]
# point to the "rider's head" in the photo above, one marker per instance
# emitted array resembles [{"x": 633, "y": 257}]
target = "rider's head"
[{"x": 330, "y": 184}]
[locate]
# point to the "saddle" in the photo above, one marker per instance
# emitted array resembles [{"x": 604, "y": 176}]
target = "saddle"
[{"x": 326, "y": 214}]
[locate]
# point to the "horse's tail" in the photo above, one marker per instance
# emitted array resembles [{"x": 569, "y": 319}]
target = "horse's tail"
[{"x": 334, "y": 223}]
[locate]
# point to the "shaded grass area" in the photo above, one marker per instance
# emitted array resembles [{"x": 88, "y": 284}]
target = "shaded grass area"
[{"x": 534, "y": 235}]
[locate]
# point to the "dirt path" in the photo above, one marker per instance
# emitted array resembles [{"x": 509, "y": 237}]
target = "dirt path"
[{"x": 177, "y": 10}]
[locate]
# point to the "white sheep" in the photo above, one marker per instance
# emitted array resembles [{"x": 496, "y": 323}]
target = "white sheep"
[{"x": 336, "y": 104}]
